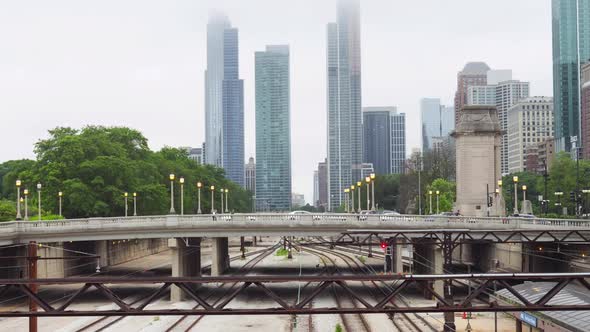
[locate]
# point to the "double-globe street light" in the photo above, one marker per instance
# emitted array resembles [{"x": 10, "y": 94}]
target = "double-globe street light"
[
  {"x": 226, "y": 200},
  {"x": 372, "y": 176},
  {"x": 212, "y": 199},
  {"x": 172, "y": 177},
  {"x": 360, "y": 189},
  {"x": 437, "y": 200},
  {"x": 126, "y": 195},
  {"x": 18, "y": 215},
  {"x": 222, "y": 191},
  {"x": 368, "y": 181},
  {"x": 39, "y": 199},
  {"x": 199, "y": 185},
  {"x": 181, "y": 180},
  {"x": 352, "y": 199},
  {"x": 26, "y": 193},
  {"x": 135, "y": 204},
  {"x": 59, "y": 196},
  {"x": 430, "y": 200},
  {"x": 346, "y": 191},
  {"x": 515, "y": 180}
]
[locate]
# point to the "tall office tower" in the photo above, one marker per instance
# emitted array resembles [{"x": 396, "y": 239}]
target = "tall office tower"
[
  {"x": 344, "y": 101},
  {"x": 384, "y": 137},
  {"x": 586, "y": 111},
  {"x": 438, "y": 121},
  {"x": 571, "y": 48},
  {"x": 224, "y": 100},
  {"x": 323, "y": 184},
  {"x": 473, "y": 74},
  {"x": 530, "y": 122},
  {"x": 250, "y": 176},
  {"x": 503, "y": 92},
  {"x": 316, "y": 189},
  {"x": 273, "y": 133}
]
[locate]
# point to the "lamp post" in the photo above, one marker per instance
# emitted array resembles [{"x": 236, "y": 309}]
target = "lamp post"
[
  {"x": 515, "y": 180},
  {"x": 59, "y": 196},
  {"x": 523, "y": 192},
  {"x": 199, "y": 185},
  {"x": 368, "y": 181},
  {"x": 346, "y": 191},
  {"x": 222, "y": 191},
  {"x": 586, "y": 192},
  {"x": 430, "y": 200},
  {"x": 181, "y": 180},
  {"x": 352, "y": 200},
  {"x": 373, "y": 190},
  {"x": 26, "y": 192},
  {"x": 558, "y": 194},
  {"x": 212, "y": 199},
  {"x": 126, "y": 194},
  {"x": 360, "y": 189},
  {"x": 22, "y": 201},
  {"x": 39, "y": 199},
  {"x": 172, "y": 177},
  {"x": 226, "y": 200},
  {"x": 437, "y": 200},
  {"x": 18, "y": 215},
  {"x": 135, "y": 204}
]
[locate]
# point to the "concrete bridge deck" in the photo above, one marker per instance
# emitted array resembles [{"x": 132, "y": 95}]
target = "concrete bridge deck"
[{"x": 274, "y": 224}]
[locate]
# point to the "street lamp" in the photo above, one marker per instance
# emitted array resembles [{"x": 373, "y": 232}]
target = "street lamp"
[
  {"x": 199, "y": 185},
  {"x": 226, "y": 200},
  {"x": 515, "y": 180},
  {"x": 437, "y": 199},
  {"x": 172, "y": 177},
  {"x": 212, "y": 199},
  {"x": 135, "y": 204},
  {"x": 430, "y": 200},
  {"x": 346, "y": 191},
  {"x": 352, "y": 200},
  {"x": 181, "y": 180},
  {"x": 368, "y": 181},
  {"x": 26, "y": 192},
  {"x": 39, "y": 199},
  {"x": 18, "y": 215},
  {"x": 587, "y": 192},
  {"x": 60, "y": 195},
  {"x": 126, "y": 194},
  {"x": 523, "y": 192},
  {"x": 558, "y": 194},
  {"x": 222, "y": 191},
  {"x": 373, "y": 190},
  {"x": 360, "y": 189}
]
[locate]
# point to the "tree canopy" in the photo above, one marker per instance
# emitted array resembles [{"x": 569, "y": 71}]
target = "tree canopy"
[{"x": 95, "y": 166}]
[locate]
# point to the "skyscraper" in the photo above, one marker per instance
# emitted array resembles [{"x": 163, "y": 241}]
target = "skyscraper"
[
  {"x": 586, "y": 111},
  {"x": 224, "y": 100},
  {"x": 344, "y": 101},
  {"x": 250, "y": 176},
  {"x": 571, "y": 48},
  {"x": 503, "y": 92},
  {"x": 273, "y": 133},
  {"x": 473, "y": 74},
  {"x": 438, "y": 121},
  {"x": 384, "y": 137},
  {"x": 322, "y": 198}
]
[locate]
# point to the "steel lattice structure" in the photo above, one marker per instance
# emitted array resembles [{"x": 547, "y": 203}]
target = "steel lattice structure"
[{"x": 281, "y": 305}]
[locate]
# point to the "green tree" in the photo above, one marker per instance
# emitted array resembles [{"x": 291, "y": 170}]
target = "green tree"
[{"x": 447, "y": 196}]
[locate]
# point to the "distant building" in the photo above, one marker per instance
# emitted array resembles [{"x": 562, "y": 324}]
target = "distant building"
[
  {"x": 195, "y": 154},
  {"x": 473, "y": 74},
  {"x": 343, "y": 60},
  {"x": 224, "y": 99},
  {"x": 545, "y": 155},
  {"x": 571, "y": 48},
  {"x": 366, "y": 170},
  {"x": 273, "y": 128},
  {"x": 586, "y": 111},
  {"x": 503, "y": 92},
  {"x": 384, "y": 133},
  {"x": 250, "y": 175},
  {"x": 316, "y": 188},
  {"x": 298, "y": 200},
  {"x": 438, "y": 121},
  {"x": 322, "y": 200},
  {"x": 530, "y": 123}
]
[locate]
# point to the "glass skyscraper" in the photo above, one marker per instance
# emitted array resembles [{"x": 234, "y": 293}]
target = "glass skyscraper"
[
  {"x": 224, "y": 100},
  {"x": 571, "y": 48},
  {"x": 384, "y": 137},
  {"x": 438, "y": 121},
  {"x": 273, "y": 132},
  {"x": 344, "y": 101}
]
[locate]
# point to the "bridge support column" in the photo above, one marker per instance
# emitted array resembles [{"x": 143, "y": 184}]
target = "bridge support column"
[
  {"x": 102, "y": 250},
  {"x": 428, "y": 259},
  {"x": 186, "y": 262},
  {"x": 393, "y": 259},
  {"x": 219, "y": 255}
]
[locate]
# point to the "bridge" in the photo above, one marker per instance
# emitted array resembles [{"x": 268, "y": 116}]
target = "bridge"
[{"x": 275, "y": 224}]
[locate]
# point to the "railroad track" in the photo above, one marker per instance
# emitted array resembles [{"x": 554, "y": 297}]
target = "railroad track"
[{"x": 182, "y": 324}]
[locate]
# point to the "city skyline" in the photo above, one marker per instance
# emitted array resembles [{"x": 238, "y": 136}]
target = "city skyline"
[{"x": 161, "y": 91}]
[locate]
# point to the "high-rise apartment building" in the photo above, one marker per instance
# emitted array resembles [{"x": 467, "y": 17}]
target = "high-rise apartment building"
[
  {"x": 586, "y": 111},
  {"x": 344, "y": 101},
  {"x": 473, "y": 74},
  {"x": 503, "y": 92},
  {"x": 250, "y": 176},
  {"x": 530, "y": 122},
  {"x": 384, "y": 137},
  {"x": 224, "y": 100},
  {"x": 571, "y": 48},
  {"x": 322, "y": 184},
  {"x": 273, "y": 133},
  {"x": 438, "y": 121}
]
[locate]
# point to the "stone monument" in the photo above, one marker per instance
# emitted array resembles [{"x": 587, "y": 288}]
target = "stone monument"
[{"x": 477, "y": 142}]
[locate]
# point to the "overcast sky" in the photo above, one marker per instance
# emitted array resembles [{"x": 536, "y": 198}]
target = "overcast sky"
[{"x": 140, "y": 63}]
